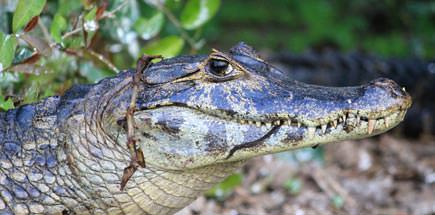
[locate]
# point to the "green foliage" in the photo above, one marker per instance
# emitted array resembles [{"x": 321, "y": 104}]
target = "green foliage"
[
  {"x": 167, "y": 47},
  {"x": 225, "y": 188},
  {"x": 90, "y": 16},
  {"x": 149, "y": 28},
  {"x": 8, "y": 44},
  {"x": 378, "y": 27},
  {"x": 85, "y": 41},
  {"x": 58, "y": 26},
  {"x": 25, "y": 11},
  {"x": 6, "y": 104},
  {"x": 198, "y": 12}
]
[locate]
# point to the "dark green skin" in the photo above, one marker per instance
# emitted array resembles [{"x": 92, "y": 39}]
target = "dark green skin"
[{"x": 197, "y": 121}]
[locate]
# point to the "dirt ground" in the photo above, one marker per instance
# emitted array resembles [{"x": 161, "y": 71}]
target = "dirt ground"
[{"x": 382, "y": 175}]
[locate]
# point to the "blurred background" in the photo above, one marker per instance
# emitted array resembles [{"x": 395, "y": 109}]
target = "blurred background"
[{"x": 46, "y": 46}]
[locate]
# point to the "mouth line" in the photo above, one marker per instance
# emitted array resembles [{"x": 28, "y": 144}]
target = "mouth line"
[
  {"x": 348, "y": 119},
  {"x": 252, "y": 143}
]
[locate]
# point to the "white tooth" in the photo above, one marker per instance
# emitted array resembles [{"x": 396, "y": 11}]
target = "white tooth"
[
  {"x": 324, "y": 128},
  {"x": 268, "y": 124},
  {"x": 371, "y": 126},
  {"x": 358, "y": 119},
  {"x": 344, "y": 118},
  {"x": 277, "y": 122},
  {"x": 250, "y": 122},
  {"x": 311, "y": 130},
  {"x": 285, "y": 122},
  {"x": 258, "y": 123},
  {"x": 299, "y": 124},
  {"x": 402, "y": 115},
  {"x": 387, "y": 124},
  {"x": 242, "y": 121}
]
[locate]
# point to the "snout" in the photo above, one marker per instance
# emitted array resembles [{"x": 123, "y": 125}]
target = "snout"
[
  {"x": 392, "y": 88},
  {"x": 382, "y": 95}
]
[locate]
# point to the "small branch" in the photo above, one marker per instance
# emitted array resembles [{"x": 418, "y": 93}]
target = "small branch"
[
  {"x": 104, "y": 60},
  {"x": 45, "y": 32},
  {"x": 75, "y": 31},
  {"x": 177, "y": 24},
  {"x": 109, "y": 14},
  {"x": 137, "y": 158}
]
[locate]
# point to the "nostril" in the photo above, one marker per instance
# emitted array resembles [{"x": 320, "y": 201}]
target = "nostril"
[{"x": 390, "y": 86}]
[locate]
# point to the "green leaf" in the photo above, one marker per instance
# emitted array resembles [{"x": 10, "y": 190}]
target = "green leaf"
[
  {"x": 6, "y": 104},
  {"x": 148, "y": 28},
  {"x": 57, "y": 27},
  {"x": 8, "y": 44},
  {"x": 226, "y": 187},
  {"x": 91, "y": 14},
  {"x": 167, "y": 47},
  {"x": 25, "y": 11},
  {"x": 66, "y": 7},
  {"x": 198, "y": 12}
]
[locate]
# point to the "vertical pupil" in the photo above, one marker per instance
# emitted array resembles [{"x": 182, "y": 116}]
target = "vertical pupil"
[{"x": 218, "y": 67}]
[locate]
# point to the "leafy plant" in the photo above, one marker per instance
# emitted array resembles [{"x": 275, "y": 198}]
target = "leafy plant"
[{"x": 59, "y": 43}]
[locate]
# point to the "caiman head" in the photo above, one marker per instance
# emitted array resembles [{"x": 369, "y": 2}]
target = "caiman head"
[
  {"x": 226, "y": 107},
  {"x": 198, "y": 118}
]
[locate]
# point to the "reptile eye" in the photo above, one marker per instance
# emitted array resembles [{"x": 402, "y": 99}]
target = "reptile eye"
[{"x": 220, "y": 68}]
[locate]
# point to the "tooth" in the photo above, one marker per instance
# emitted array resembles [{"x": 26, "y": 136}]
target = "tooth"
[
  {"x": 371, "y": 126},
  {"x": 324, "y": 128},
  {"x": 402, "y": 115},
  {"x": 311, "y": 131},
  {"x": 285, "y": 122},
  {"x": 299, "y": 124},
  {"x": 258, "y": 123},
  {"x": 387, "y": 124},
  {"x": 344, "y": 118},
  {"x": 268, "y": 124},
  {"x": 358, "y": 119},
  {"x": 242, "y": 121},
  {"x": 334, "y": 123},
  {"x": 250, "y": 122}
]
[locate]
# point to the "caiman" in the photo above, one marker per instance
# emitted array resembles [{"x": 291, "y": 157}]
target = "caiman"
[{"x": 197, "y": 120}]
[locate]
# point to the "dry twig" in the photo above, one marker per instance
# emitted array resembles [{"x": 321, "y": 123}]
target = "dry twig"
[{"x": 137, "y": 158}]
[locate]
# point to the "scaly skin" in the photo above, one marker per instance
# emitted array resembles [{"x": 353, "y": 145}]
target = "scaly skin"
[{"x": 198, "y": 119}]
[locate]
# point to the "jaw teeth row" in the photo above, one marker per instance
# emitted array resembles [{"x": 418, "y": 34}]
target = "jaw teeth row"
[{"x": 349, "y": 120}]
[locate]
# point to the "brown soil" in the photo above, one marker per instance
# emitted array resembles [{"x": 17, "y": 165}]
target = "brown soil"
[{"x": 384, "y": 175}]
